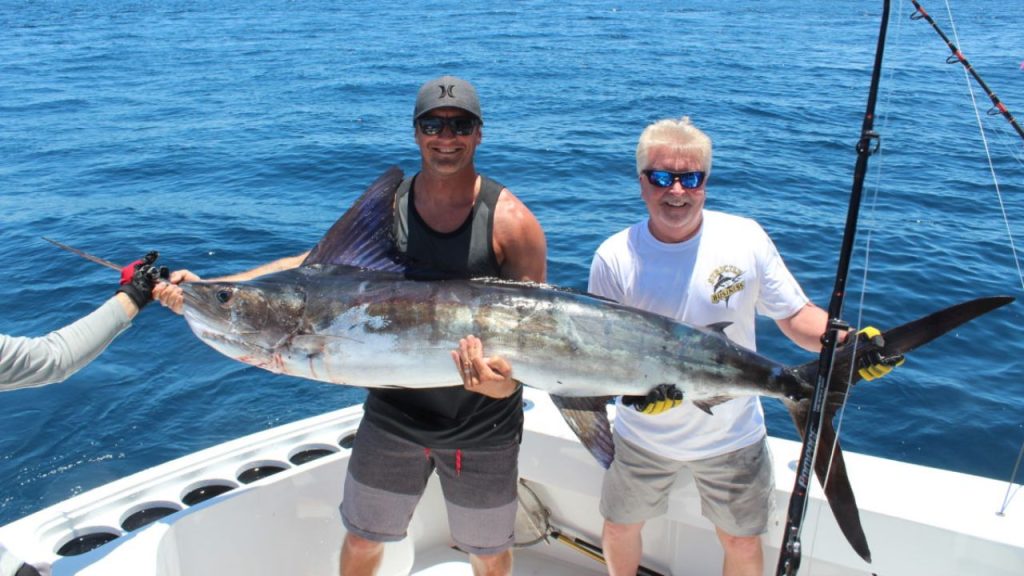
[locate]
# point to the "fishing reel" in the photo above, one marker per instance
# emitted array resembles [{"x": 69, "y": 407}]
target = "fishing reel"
[{"x": 152, "y": 273}]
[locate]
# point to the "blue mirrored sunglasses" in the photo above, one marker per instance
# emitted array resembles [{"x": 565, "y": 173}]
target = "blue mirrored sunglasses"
[
  {"x": 434, "y": 125},
  {"x": 664, "y": 178}
]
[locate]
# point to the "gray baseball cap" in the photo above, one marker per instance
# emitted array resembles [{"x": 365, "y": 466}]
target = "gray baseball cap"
[{"x": 447, "y": 91}]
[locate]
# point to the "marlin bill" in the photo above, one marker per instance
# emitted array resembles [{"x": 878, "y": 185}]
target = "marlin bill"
[{"x": 355, "y": 314}]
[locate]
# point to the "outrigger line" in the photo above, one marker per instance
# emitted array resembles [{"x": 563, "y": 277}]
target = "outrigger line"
[
  {"x": 790, "y": 550},
  {"x": 958, "y": 56},
  {"x": 998, "y": 107}
]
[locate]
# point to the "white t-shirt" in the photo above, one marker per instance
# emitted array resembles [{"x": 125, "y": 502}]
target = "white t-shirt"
[{"x": 729, "y": 272}]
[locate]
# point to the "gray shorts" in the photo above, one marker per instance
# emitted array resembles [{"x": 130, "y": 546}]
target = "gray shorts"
[
  {"x": 387, "y": 476},
  {"x": 735, "y": 489}
]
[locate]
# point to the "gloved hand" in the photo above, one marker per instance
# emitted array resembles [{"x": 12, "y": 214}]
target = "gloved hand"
[
  {"x": 874, "y": 364},
  {"x": 663, "y": 397},
  {"x": 139, "y": 278}
]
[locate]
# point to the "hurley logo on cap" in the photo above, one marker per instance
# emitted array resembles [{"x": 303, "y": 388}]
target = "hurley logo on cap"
[{"x": 447, "y": 91}]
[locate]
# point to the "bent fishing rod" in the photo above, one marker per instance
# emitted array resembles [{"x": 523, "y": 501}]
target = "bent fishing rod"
[
  {"x": 958, "y": 56},
  {"x": 790, "y": 551}
]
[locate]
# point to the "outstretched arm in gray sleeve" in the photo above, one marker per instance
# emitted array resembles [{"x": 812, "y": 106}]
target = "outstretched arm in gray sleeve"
[{"x": 52, "y": 358}]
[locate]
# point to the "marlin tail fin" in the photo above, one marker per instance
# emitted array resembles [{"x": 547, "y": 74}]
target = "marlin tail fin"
[{"x": 828, "y": 464}]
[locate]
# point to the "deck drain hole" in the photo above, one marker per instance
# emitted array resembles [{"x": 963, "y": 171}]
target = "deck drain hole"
[
  {"x": 204, "y": 493},
  {"x": 347, "y": 441},
  {"x": 146, "y": 516},
  {"x": 83, "y": 544},
  {"x": 253, "y": 474},
  {"x": 309, "y": 455}
]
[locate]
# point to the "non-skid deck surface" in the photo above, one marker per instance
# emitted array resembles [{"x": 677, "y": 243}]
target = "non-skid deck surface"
[{"x": 447, "y": 562}]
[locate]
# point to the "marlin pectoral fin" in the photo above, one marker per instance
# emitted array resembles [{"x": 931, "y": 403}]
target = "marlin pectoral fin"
[{"x": 588, "y": 418}]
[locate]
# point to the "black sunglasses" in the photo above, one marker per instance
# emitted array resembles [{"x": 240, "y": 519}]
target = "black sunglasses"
[
  {"x": 664, "y": 178},
  {"x": 434, "y": 125}
]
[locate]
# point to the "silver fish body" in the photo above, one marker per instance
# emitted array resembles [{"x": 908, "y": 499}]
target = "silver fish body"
[{"x": 349, "y": 326}]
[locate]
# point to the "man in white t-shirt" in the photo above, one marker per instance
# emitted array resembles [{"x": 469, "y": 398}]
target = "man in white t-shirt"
[{"x": 701, "y": 267}]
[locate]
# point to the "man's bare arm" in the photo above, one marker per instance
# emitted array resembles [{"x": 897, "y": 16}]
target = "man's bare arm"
[
  {"x": 520, "y": 243},
  {"x": 170, "y": 295},
  {"x": 269, "y": 268}
]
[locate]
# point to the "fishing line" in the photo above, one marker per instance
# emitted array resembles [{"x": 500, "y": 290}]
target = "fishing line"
[
  {"x": 999, "y": 196},
  {"x": 1014, "y": 153},
  {"x": 998, "y": 107}
]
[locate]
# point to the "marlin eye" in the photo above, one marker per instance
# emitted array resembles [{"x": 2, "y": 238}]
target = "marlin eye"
[{"x": 223, "y": 296}]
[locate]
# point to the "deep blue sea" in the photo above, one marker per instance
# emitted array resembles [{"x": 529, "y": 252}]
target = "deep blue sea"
[{"x": 228, "y": 134}]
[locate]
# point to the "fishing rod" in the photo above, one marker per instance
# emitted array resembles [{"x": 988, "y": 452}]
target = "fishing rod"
[
  {"x": 790, "y": 551},
  {"x": 157, "y": 274},
  {"x": 86, "y": 255},
  {"x": 958, "y": 56}
]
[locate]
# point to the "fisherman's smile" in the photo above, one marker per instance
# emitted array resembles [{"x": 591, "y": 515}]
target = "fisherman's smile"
[
  {"x": 447, "y": 151},
  {"x": 675, "y": 210},
  {"x": 448, "y": 138},
  {"x": 676, "y": 202}
]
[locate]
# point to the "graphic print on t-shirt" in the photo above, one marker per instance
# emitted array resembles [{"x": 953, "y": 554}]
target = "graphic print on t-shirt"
[{"x": 725, "y": 281}]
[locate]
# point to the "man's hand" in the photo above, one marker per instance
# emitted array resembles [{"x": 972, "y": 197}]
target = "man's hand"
[
  {"x": 139, "y": 278},
  {"x": 662, "y": 398},
  {"x": 170, "y": 294},
  {"x": 874, "y": 364},
  {"x": 491, "y": 377}
]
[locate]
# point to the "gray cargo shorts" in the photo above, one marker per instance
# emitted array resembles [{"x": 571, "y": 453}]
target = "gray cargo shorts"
[{"x": 736, "y": 489}]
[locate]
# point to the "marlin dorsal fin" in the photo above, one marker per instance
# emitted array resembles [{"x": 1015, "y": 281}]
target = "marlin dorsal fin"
[
  {"x": 363, "y": 236},
  {"x": 719, "y": 327}
]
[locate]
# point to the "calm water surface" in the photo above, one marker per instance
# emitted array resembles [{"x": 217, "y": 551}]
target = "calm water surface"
[{"x": 225, "y": 136}]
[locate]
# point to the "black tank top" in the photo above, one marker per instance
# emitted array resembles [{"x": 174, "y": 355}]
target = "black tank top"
[{"x": 448, "y": 417}]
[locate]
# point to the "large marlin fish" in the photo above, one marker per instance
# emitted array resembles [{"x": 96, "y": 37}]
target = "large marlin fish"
[{"x": 354, "y": 314}]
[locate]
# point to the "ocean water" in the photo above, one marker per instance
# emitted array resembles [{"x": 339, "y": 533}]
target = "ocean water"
[{"x": 226, "y": 135}]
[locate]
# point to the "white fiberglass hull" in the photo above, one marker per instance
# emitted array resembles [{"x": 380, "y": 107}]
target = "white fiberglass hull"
[{"x": 918, "y": 520}]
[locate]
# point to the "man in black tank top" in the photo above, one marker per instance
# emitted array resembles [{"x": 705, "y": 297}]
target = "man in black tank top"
[
  {"x": 458, "y": 223},
  {"x": 448, "y": 417}
]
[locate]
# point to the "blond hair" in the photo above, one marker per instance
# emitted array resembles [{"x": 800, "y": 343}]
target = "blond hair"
[{"x": 680, "y": 134}]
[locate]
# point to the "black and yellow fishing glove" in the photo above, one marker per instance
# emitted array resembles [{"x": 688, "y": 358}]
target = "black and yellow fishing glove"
[
  {"x": 874, "y": 364},
  {"x": 663, "y": 397}
]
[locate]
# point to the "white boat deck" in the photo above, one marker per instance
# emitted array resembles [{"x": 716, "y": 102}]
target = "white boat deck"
[
  {"x": 918, "y": 520},
  {"x": 528, "y": 562}
]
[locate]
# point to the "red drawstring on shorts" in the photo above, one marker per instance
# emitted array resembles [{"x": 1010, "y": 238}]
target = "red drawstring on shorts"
[{"x": 458, "y": 459}]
